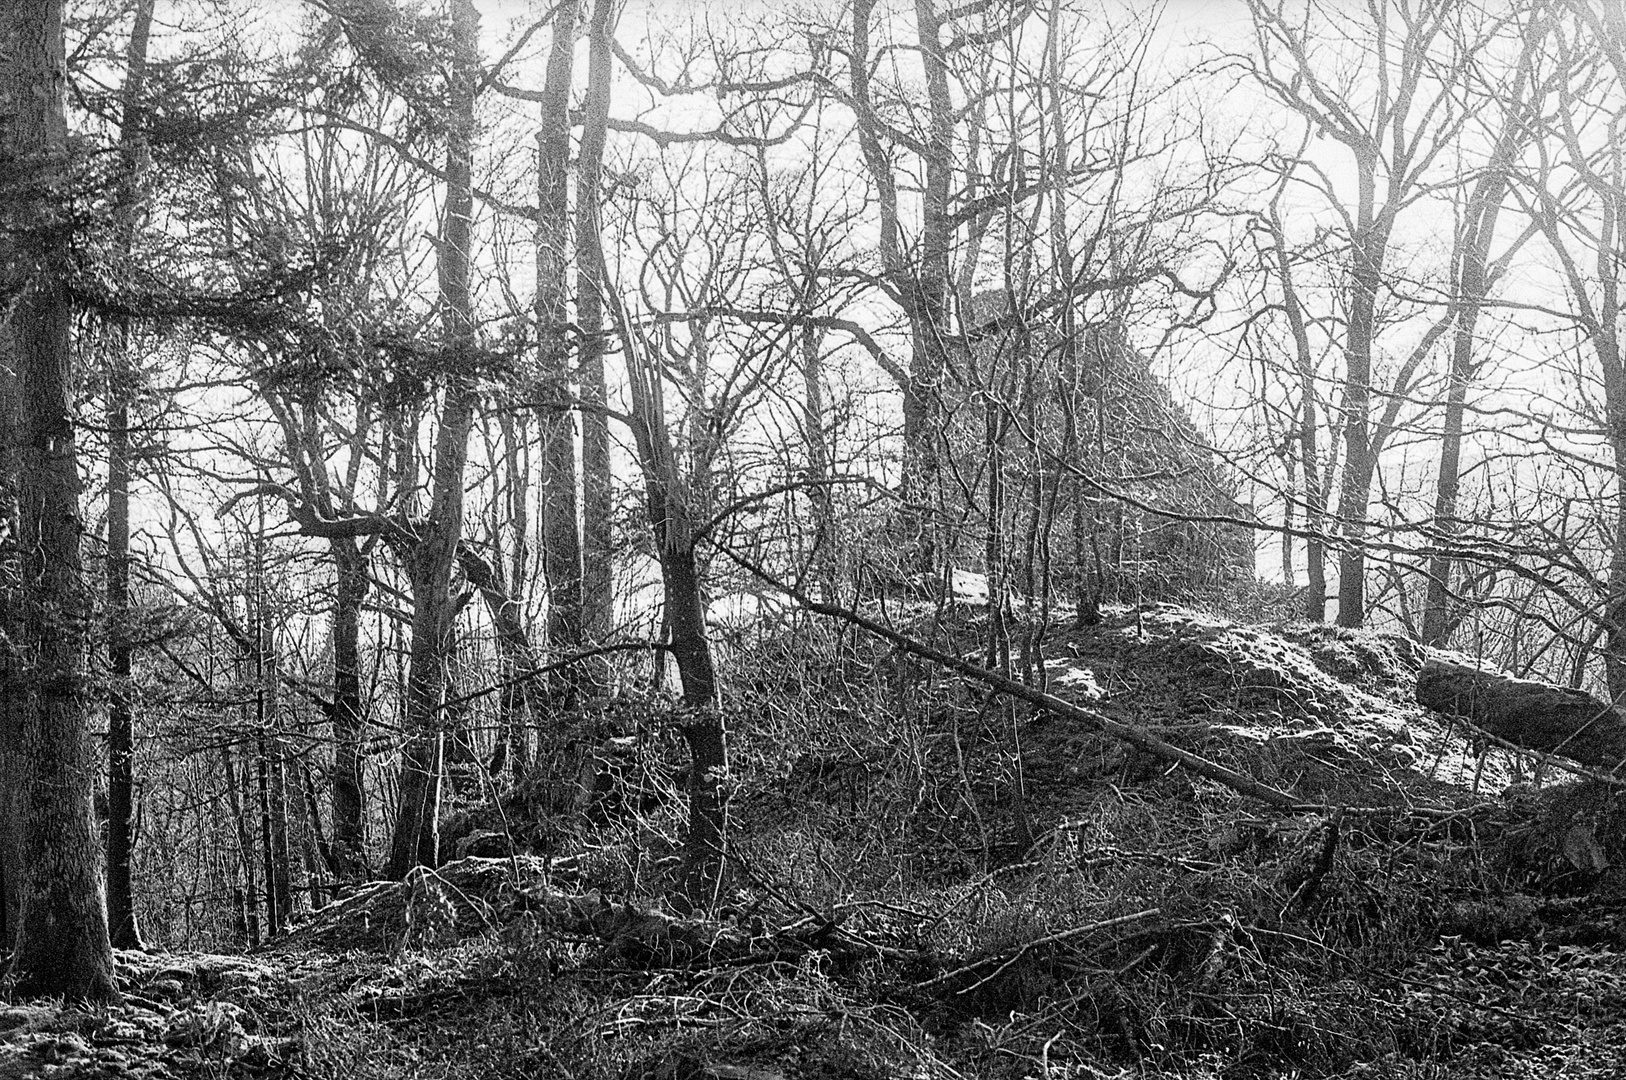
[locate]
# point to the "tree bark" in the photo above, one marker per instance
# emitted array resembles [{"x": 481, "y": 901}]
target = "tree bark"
[
  {"x": 236, "y": 793},
  {"x": 416, "y": 840},
  {"x": 1472, "y": 289},
  {"x": 274, "y": 912},
  {"x": 62, "y": 944},
  {"x": 598, "y": 537},
  {"x": 929, "y": 289},
  {"x": 561, "y": 537},
  {"x": 13, "y": 677},
  {"x": 275, "y": 756},
  {"x": 120, "y": 713},
  {"x": 1369, "y": 246},
  {"x": 514, "y": 648},
  {"x": 125, "y": 932},
  {"x": 518, "y": 705},
  {"x": 703, "y": 726},
  {"x": 1536, "y": 715},
  {"x": 349, "y": 713},
  {"x": 820, "y": 492}
]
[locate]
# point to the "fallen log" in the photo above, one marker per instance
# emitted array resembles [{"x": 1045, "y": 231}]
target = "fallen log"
[{"x": 1533, "y": 715}]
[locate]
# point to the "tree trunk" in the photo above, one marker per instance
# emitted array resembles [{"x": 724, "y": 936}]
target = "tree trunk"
[
  {"x": 281, "y": 851},
  {"x": 1472, "y": 287},
  {"x": 597, "y": 534},
  {"x": 1603, "y": 329},
  {"x": 274, "y": 913},
  {"x": 13, "y": 677},
  {"x": 416, "y": 840},
  {"x": 561, "y": 538},
  {"x": 1593, "y": 287},
  {"x": 120, "y": 715},
  {"x": 922, "y": 289},
  {"x": 1317, "y": 481},
  {"x": 703, "y": 726},
  {"x": 63, "y": 947},
  {"x": 1307, "y": 435},
  {"x": 670, "y": 503},
  {"x": 517, "y": 706},
  {"x": 1289, "y": 512},
  {"x": 1069, "y": 391},
  {"x": 515, "y": 651},
  {"x": 348, "y": 780},
  {"x": 1371, "y": 242},
  {"x": 1396, "y": 128},
  {"x": 236, "y": 792},
  {"x": 120, "y": 654},
  {"x": 1612, "y": 364},
  {"x": 928, "y": 289},
  {"x": 820, "y": 493},
  {"x": 62, "y": 944},
  {"x": 11, "y": 810},
  {"x": 317, "y": 849}
]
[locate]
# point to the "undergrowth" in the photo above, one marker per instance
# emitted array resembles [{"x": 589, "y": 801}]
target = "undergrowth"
[{"x": 977, "y": 890}]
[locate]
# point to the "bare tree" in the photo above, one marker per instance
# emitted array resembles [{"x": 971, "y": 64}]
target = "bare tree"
[
  {"x": 922, "y": 290},
  {"x": 416, "y": 839},
  {"x": 669, "y": 494},
  {"x": 1394, "y": 141},
  {"x": 561, "y": 535},
  {"x": 1315, "y": 467},
  {"x": 700, "y": 258},
  {"x": 807, "y": 222},
  {"x": 591, "y": 289},
  {"x": 1473, "y": 275},
  {"x": 1576, "y": 194},
  {"x": 120, "y": 717}
]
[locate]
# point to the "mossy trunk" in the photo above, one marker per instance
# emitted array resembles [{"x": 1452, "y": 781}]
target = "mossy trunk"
[{"x": 62, "y": 946}]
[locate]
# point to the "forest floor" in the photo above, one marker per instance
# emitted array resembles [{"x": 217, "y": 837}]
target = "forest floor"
[{"x": 927, "y": 881}]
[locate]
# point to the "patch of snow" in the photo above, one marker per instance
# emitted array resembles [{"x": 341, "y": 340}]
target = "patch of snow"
[
  {"x": 1079, "y": 682},
  {"x": 970, "y": 588}
]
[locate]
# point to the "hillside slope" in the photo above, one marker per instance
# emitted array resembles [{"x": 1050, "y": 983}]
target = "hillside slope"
[{"x": 930, "y": 882}]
